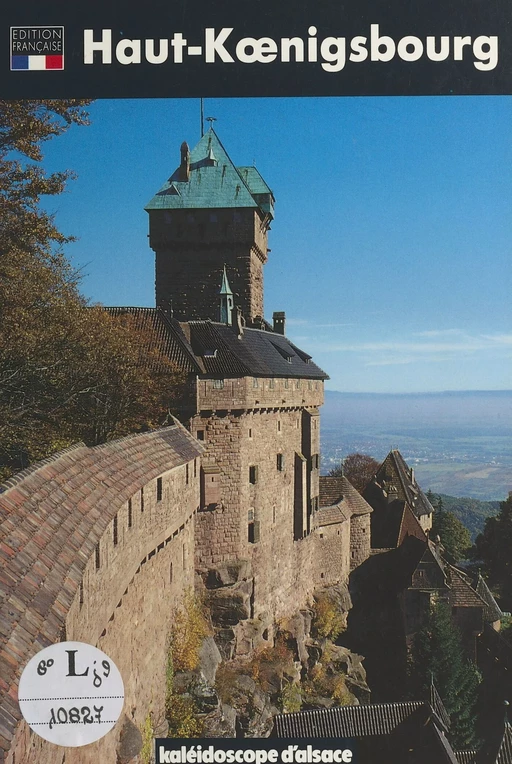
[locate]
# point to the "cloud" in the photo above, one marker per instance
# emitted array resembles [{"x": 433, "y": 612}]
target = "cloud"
[
  {"x": 439, "y": 333},
  {"x": 332, "y": 326},
  {"x": 499, "y": 339},
  {"x": 437, "y": 345}
]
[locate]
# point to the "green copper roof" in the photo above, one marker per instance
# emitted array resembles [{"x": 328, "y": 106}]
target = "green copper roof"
[
  {"x": 224, "y": 287},
  {"x": 214, "y": 182}
]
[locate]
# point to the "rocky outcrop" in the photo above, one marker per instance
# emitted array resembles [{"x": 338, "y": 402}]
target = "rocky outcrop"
[
  {"x": 130, "y": 742},
  {"x": 252, "y": 668}
]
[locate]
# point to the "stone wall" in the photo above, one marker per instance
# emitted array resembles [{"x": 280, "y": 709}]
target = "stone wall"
[
  {"x": 333, "y": 561},
  {"x": 256, "y": 453},
  {"x": 258, "y": 393},
  {"x": 193, "y": 246},
  {"x": 359, "y": 539},
  {"x": 139, "y": 564}
]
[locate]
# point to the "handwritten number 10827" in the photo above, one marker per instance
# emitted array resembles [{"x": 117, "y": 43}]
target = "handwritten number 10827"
[{"x": 75, "y": 715}]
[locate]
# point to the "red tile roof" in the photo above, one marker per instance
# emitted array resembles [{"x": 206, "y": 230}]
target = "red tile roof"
[{"x": 51, "y": 517}]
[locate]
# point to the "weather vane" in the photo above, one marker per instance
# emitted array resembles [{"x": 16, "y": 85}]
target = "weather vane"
[{"x": 211, "y": 120}]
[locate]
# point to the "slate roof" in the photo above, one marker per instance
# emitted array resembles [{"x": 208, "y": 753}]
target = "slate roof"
[
  {"x": 345, "y": 721},
  {"x": 51, "y": 517},
  {"x": 338, "y": 498},
  {"x": 381, "y": 729},
  {"x": 214, "y": 182},
  {"x": 498, "y": 747},
  {"x": 215, "y": 350},
  {"x": 505, "y": 749},
  {"x": 466, "y": 757},
  {"x": 492, "y": 611},
  {"x": 395, "y": 473},
  {"x": 255, "y": 353}
]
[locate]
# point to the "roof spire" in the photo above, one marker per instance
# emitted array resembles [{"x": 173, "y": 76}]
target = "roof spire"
[
  {"x": 211, "y": 120},
  {"x": 226, "y": 300}
]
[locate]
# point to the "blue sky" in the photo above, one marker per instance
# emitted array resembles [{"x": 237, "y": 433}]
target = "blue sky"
[{"x": 391, "y": 244}]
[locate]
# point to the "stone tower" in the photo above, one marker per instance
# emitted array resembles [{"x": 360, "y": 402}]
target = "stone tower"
[{"x": 210, "y": 216}]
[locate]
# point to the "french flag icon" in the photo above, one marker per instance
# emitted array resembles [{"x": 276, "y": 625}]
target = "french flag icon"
[{"x": 37, "y": 63}]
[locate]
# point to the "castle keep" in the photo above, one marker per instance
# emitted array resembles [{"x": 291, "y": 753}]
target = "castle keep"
[{"x": 255, "y": 396}]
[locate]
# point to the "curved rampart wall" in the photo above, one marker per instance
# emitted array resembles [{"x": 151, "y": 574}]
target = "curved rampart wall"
[{"x": 97, "y": 545}]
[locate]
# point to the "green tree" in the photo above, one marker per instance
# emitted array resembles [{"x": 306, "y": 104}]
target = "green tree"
[
  {"x": 493, "y": 547},
  {"x": 359, "y": 469},
  {"x": 454, "y": 535},
  {"x": 437, "y": 655},
  {"x": 67, "y": 372}
]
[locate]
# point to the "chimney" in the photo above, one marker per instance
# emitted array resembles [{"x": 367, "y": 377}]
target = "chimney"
[
  {"x": 279, "y": 320},
  {"x": 237, "y": 321},
  {"x": 185, "y": 161}
]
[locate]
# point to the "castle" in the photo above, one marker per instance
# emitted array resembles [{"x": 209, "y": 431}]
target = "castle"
[{"x": 99, "y": 544}]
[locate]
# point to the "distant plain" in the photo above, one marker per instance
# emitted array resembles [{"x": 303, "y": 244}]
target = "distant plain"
[{"x": 459, "y": 443}]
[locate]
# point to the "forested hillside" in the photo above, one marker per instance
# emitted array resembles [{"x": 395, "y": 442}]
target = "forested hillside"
[{"x": 471, "y": 512}]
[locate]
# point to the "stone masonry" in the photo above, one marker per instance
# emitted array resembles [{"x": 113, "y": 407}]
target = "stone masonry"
[{"x": 106, "y": 539}]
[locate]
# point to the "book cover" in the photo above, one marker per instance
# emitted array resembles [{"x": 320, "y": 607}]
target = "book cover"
[{"x": 212, "y": 216}]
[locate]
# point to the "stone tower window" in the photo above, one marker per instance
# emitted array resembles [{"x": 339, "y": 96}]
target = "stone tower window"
[
  {"x": 159, "y": 489},
  {"x": 255, "y": 383},
  {"x": 200, "y": 434},
  {"x": 97, "y": 558},
  {"x": 186, "y": 474},
  {"x": 253, "y": 528},
  {"x": 280, "y": 462},
  {"x": 142, "y": 499},
  {"x": 130, "y": 516},
  {"x": 253, "y": 474},
  {"x": 114, "y": 531},
  {"x": 218, "y": 384},
  {"x": 297, "y": 384},
  {"x": 271, "y": 384},
  {"x": 279, "y": 425},
  {"x": 286, "y": 383}
]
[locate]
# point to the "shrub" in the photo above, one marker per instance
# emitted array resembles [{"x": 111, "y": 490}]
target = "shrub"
[
  {"x": 271, "y": 664},
  {"x": 327, "y": 684},
  {"x": 147, "y": 739},
  {"x": 328, "y": 620},
  {"x": 182, "y": 716},
  {"x": 291, "y": 697},
  {"x": 189, "y": 629}
]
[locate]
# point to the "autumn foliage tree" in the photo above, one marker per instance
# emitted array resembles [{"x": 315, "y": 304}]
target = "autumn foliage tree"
[
  {"x": 359, "y": 469},
  {"x": 68, "y": 372}
]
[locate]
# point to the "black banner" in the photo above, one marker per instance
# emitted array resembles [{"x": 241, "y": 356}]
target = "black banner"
[
  {"x": 170, "y": 48},
  {"x": 255, "y": 751}
]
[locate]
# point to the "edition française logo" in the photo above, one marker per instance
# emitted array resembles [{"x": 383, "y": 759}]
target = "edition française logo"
[{"x": 37, "y": 48}]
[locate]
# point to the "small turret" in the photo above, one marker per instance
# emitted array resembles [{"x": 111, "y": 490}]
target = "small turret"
[{"x": 226, "y": 300}]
